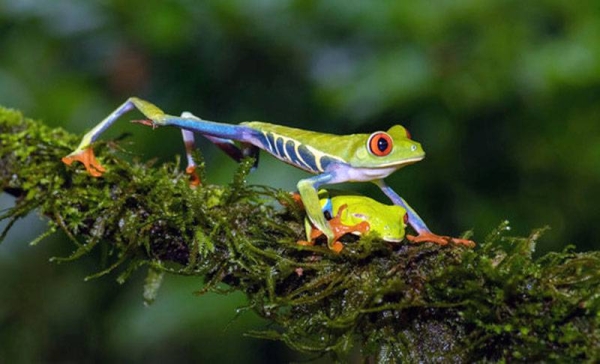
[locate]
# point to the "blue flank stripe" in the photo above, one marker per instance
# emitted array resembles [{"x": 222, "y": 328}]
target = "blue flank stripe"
[
  {"x": 304, "y": 159},
  {"x": 279, "y": 148},
  {"x": 271, "y": 143},
  {"x": 308, "y": 158},
  {"x": 291, "y": 151},
  {"x": 325, "y": 161},
  {"x": 264, "y": 141}
]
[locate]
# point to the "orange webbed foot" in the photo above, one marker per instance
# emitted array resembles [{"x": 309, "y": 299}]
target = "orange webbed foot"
[
  {"x": 336, "y": 246},
  {"x": 89, "y": 161},
  {"x": 439, "y": 239},
  {"x": 339, "y": 230}
]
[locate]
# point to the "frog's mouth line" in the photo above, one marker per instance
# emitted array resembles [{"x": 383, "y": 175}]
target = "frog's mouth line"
[{"x": 401, "y": 163}]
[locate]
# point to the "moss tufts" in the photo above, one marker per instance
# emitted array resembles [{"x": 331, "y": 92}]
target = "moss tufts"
[{"x": 394, "y": 301}]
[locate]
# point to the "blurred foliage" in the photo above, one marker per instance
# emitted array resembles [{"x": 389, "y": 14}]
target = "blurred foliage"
[{"x": 503, "y": 95}]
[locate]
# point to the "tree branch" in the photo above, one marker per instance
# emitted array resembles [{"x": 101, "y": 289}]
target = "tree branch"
[{"x": 396, "y": 301}]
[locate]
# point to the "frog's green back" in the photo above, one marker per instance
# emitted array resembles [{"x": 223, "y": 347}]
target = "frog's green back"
[
  {"x": 315, "y": 150},
  {"x": 332, "y": 145}
]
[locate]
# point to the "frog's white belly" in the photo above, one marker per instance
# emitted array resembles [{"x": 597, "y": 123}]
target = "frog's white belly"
[{"x": 346, "y": 173}]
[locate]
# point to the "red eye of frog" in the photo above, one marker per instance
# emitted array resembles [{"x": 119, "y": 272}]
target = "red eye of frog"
[
  {"x": 405, "y": 218},
  {"x": 380, "y": 144}
]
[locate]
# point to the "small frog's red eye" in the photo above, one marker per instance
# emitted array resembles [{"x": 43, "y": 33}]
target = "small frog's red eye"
[
  {"x": 408, "y": 134},
  {"x": 405, "y": 219},
  {"x": 380, "y": 144}
]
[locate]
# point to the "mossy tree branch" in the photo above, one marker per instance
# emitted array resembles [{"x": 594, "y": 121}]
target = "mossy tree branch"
[{"x": 397, "y": 301}]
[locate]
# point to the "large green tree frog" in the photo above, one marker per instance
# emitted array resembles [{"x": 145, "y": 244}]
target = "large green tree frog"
[{"x": 333, "y": 158}]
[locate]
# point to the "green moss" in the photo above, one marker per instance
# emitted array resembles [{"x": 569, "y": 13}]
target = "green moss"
[{"x": 394, "y": 301}]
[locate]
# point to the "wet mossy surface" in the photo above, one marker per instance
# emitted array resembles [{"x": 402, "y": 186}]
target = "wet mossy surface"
[{"x": 396, "y": 302}]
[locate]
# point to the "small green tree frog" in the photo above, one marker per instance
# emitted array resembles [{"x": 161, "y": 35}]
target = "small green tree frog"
[{"x": 357, "y": 214}]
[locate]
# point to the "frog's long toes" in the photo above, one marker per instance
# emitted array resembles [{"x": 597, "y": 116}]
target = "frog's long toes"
[
  {"x": 88, "y": 159},
  {"x": 464, "y": 242},
  {"x": 439, "y": 239},
  {"x": 428, "y": 237}
]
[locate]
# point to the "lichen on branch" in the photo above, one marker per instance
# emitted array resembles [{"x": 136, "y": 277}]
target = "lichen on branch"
[{"x": 396, "y": 301}]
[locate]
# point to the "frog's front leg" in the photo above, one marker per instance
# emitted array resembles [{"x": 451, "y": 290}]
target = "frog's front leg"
[
  {"x": 413, "y": 218},
  {"x": 310, "y": 198},
  {"x": 415, "y": 221}
]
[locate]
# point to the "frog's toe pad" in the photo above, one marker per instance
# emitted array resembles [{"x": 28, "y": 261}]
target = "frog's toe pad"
[
  {"x": 88, "y": 159},
  {"x": 466, "y": 242},
  {"x": 337, "y": 247},
  {"x": 305, "y": 243}
]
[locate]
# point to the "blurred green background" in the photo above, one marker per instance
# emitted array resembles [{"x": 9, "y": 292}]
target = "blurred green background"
[{"x": 503, "y": 95}]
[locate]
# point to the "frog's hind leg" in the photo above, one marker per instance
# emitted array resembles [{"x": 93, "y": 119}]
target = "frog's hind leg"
[
  {"x": 226, "y": 145},
  {"x": 221, "y": 134},
  {"x": 84, "y": 152}
]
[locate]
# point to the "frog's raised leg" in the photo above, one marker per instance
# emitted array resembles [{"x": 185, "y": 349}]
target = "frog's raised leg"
[
  {"x": 414, "y": 220},
  {"x": 84, "y": 153},
  {"x": 220, "y": 133}
]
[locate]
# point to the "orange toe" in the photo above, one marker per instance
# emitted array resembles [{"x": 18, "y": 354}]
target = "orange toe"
[
  {"x": 337, "y": 246},
  {"x": 194, "y": 178},
  {"x": 306, "y": 243},
  {"x": 466, "y": 242}
]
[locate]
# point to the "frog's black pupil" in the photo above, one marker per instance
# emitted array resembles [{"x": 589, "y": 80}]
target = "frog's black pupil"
[
  {"x": 327, "y": 215},
  {"x": 382, "y": 144}
]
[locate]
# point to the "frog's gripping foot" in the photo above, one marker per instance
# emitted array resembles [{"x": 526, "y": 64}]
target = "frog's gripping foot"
[
  {"x": 339, "y": 230},
  {"x": 194, "y": 178},
  {"x": 439, "y": 239},
  {"x": 336, "y": 246},
  {"x": 87, "y": 157}
]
